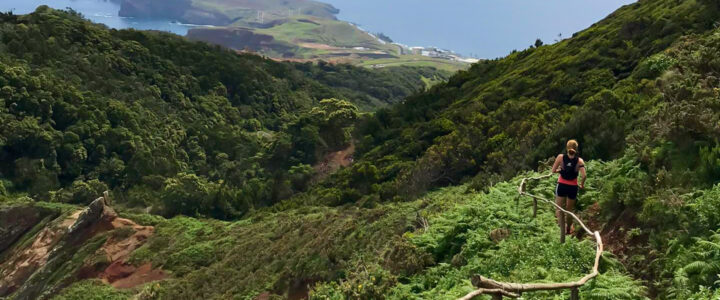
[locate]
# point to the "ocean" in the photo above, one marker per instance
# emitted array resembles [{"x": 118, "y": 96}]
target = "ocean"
[
  {"x": 99, "y": 11},
  {"x": 478, "y": 28}
]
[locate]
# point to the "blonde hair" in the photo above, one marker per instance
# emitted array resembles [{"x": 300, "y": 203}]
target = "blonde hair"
[{"x": 572, "y": 147}]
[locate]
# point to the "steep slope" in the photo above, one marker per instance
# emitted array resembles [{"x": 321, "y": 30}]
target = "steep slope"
[
  {"x": 638, "y": 85},
  {"x": 70, "y": 244},
  {"x": 504, "y": 115}
]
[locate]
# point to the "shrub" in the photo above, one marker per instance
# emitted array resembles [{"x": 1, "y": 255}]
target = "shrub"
[
  {"x": 188, "y": 194},
  {"x": 709, "y": 168},
  {"x": 327, "y": 291},
  {"x": 3, "y": 190},
  {"x": 624, "y": 186},
  {"x": 80, "y": 192},
  {"x": 655, "y": 66},
  {"x": 92, "y": 290}
]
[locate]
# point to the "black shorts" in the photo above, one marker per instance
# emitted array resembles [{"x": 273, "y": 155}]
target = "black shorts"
[{"x": 564, "y": 190}]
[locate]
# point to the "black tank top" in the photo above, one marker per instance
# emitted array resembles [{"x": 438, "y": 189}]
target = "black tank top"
[{"x": 569, "y": 169}]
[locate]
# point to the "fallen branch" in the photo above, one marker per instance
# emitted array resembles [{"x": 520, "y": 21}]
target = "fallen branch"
[
  {"x": 479, "y": 292},
  {"x": 510, "y": 289}
]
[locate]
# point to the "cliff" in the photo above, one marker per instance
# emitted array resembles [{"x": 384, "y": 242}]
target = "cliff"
[
  {"x": 44, "y": 249},
  {"x": 224, "y": 12},
  {"x": 180, "y": 10}
]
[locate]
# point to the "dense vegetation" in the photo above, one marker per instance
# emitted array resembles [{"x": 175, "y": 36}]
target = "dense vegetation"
[
  {"x": 84, "y": 109},
  {"x": 431, "y": 196},
  {"x": 382, "y": 252},
  {"x": 638, "y": 86},
  {"x": 507, "y": 114}
]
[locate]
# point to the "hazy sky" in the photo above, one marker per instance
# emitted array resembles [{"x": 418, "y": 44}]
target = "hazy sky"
[{"x": 487, "y": 28}]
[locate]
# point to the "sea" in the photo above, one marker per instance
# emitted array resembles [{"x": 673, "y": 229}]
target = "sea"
[
  {"x": 476, "y": 28},
  {"x": 98, "y": 11}
]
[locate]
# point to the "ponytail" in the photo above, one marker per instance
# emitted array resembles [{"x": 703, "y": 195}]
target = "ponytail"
[{"x": 572, "y": 146}]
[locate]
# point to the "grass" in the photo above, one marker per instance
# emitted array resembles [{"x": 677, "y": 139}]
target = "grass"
[
  {"x": 384, "y": 251},
  {"x": 92, "y": 290},
  {"x": 378, "y": 251},
  {"x": 418, "y": 61},
  {"x": 273, "y": 9},
  {"x": 322, "y": 31},
  {"x": 341, "y": 39}
]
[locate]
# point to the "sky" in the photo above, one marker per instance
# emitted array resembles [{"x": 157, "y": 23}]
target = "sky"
[{"x": 483, "y": 28}]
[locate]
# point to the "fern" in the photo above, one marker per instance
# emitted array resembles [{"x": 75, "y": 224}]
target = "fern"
[{"x": 697, "y": 267}]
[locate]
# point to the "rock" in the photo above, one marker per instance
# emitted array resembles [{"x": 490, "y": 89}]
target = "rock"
[
  {"x": 35, "y": 267},
  {"x": 177, "y": 10},
  {"x": 95, "y": 212}
]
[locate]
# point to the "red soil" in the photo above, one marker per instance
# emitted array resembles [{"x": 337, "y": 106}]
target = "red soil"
[
  {"x": 129, "y": 276},
  {"x": 121, "y": 274}
]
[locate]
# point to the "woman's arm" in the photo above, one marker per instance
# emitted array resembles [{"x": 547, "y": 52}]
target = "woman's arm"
[
  {"x": 583, "y": 174},
  {"x": 557, "y": 164}
]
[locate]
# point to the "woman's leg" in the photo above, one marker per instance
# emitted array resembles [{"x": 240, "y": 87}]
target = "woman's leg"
[
  {"x": 560, "y": 201},
  {"x": 571, "y": 208}
]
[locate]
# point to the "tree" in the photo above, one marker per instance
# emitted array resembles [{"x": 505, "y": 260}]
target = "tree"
[
  {"x": 539, "y": 43},
  {"x": 334, "y": 117},
  {"x": 187, "y": 194}
]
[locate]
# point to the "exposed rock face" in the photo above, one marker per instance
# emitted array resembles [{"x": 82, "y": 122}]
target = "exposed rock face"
[
  {"x": 179, "y": 10},
  {"x": 245, "y": 10},
  {"x": 70, "y": 248}
]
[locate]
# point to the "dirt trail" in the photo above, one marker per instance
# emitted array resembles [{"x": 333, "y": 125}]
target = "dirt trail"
[
  {"x": 334, "y": 161},
  {"x": 133, "y": 276},
  {"x": 615, "y": 231}
]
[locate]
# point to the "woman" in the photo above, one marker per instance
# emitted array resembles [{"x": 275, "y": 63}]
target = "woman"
[{"x": 569, "y": 166}]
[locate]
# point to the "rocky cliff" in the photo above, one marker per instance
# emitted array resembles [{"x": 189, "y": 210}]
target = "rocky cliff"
[
  {"x": 43, "y": 250},
  {"x": 179, "y": 10},
  {"x": 225, "y": 12}
]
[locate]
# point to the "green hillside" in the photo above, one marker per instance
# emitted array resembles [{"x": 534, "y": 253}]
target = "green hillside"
[
  {"x": 288, "y": 29},
  {"x": 307, "y": 38},
  {"x": 379, "y": 252},
  {"x": 85, "y": 108},
  {"x": 246, "y": 11},
  {"x": 226, "y": 157},
  {"x": 505, "y": 115}
]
